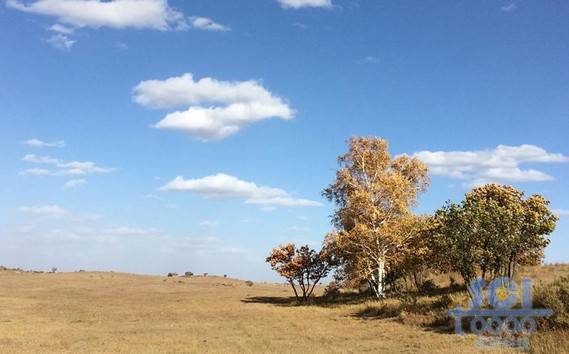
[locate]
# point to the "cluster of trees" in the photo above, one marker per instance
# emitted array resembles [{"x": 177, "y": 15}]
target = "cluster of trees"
[{"x": 378, "y": 239}]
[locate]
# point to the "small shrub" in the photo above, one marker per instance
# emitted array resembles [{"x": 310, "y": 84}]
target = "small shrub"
[
  {"x": 188, "y": 274},
  {"x": 332, "y": 290},
  {"x": 172, "y": 274},
  {"x": 225, "y": 275},
  {"x": 409, "y": 302},
  {"x": 249, "y": 283}
]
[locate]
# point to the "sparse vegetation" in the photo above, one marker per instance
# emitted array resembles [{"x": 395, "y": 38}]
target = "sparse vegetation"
[{"x": 555, "y": 296}]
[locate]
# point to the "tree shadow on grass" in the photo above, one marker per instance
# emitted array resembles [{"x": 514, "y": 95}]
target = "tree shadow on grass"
[
  {"x": 429, "y": 313},
  {"x": 321, "y": 301}
]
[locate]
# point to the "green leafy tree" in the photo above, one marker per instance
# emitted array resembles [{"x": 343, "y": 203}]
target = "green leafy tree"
[{"x": 492, "y": 232}]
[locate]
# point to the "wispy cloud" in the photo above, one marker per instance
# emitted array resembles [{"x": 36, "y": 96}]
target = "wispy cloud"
[
  {"x": 238, "y": 104},
  {"x": 368, "y": 60},
  {"x": 207, "y": 24},
  {"x": 59, "y": 28},
  {"x": 561, "y": 212},
  {"x": 208, "y": 224},
  {"x": 298, "y": 4},
  {"x": 62, "y": 168},
  {"x": 501, "y": 164},
  {"x": 509, "y": 7},
  {"x": 48, "y": 210},
  {"x": 223, "y": 186},
  {"x": 42, "y": 144},
  {"x": 74, "y": 183},
  {"x": 61, "y": 41},
  {"x": 299, "y": 229}
]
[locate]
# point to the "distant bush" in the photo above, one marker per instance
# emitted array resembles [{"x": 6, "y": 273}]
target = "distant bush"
[
  {"x": 188, "y": 274},
  {"x": 205, "y": 274},
  {"x": 249, "y": 283},
  {"x": 172, "y": 274},
  {"x": 555, "y": 296},
  {"x": 53, "y": 270},
  {"x": 332, "y": 290}
]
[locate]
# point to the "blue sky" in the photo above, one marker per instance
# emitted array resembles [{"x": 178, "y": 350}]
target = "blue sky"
[{"x": 250, "y": 102}]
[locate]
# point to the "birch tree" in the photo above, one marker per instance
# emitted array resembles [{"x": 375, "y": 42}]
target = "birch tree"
[{"x": 373, "y": 193}]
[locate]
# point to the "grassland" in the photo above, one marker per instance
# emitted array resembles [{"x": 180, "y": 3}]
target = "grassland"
[{"x": 96, "y": 312}]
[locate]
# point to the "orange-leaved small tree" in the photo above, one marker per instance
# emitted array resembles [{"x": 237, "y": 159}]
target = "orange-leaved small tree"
[{"x": 302, "y": 267}]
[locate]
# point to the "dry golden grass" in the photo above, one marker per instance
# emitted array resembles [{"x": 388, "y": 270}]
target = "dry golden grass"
[{"x": 95, "y": 312}]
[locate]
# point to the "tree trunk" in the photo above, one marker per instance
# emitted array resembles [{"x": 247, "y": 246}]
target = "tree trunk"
[{"x": 377, "y": 281}]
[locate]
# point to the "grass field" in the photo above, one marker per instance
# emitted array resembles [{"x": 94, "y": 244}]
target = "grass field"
[{"x": 98, "y": 312}]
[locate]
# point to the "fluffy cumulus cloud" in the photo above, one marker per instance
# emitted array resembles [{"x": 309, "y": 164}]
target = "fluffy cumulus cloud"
[
  {"x": 223, "y": 186},
  {"x": 216, "y": 110},
  {"x": 36, "y": 143},
  {"x": 501, "y": 164},
  {"x": 116, "y": 14},
  {"x": 152, "y": 14},
  {"x": 297, "y": 4},
  {"x": 58, "y": 167}
]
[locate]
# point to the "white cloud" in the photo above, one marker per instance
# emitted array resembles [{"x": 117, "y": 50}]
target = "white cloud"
[
  {"x": 131, "y": 231},
  {"x": 483, "y": 166},
  {"x": 207, "y": 24},
  {"x": 62, "y": 168},
  {"x": 242, "y": 103},
  {"x": 61, "y": 41},
  {"x": 297, "y": 4},
  {"x": 207, "y": 224},
  {"x": 561, "y": 212},
  {"x": 368, "y": 60},
  {"x": 118, "y": 14},
  {"x": 509, "y": 7},
  {"x": 36, "y": 172},
  {"x": 74, "y": 183},
  {"x": 40, "y": 159},
  {"x": 59, "y": 28},
  {"x": 42, "y": 144},
  {"x": 48, "y": 210},
  {"x": 223, "y": 186}
]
